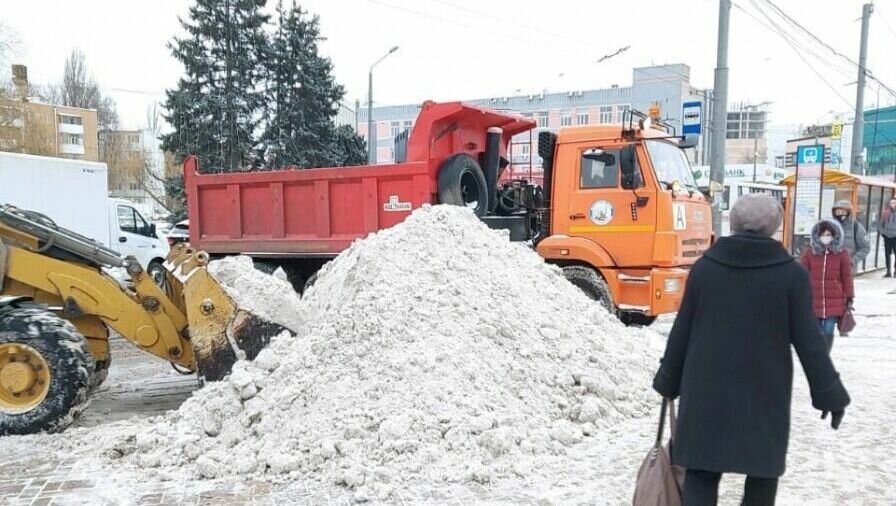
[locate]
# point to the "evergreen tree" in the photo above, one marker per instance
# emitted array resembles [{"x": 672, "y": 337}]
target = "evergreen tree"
[
  {"x": 217, "y": 105},
  {"x": 304, "y": 98}
]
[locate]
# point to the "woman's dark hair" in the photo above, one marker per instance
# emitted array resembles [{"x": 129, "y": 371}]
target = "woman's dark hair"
[{"x": 827, "y": 227}]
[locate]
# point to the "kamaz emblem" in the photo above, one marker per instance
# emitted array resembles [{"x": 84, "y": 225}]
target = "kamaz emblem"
[{"x": 394, "y": 205}]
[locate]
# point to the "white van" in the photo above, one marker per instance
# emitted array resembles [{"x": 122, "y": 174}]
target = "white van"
[
  {"x": 73, "y": 193},
  {"x": 736, "y": 189},
  {"x": 131, "y": 234}
]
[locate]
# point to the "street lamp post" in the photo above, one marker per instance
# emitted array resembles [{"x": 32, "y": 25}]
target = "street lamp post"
[{"x": 371, "y": 139}]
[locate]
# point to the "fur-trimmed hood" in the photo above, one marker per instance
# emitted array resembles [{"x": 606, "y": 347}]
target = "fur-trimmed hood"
[{"x": 836, "y": 245}]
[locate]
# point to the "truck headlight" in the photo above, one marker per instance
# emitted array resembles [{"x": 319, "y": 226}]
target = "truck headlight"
[{"x": 672, "y": 285}]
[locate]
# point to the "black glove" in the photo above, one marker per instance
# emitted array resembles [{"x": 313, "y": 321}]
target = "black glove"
[{"x": 836, "y": 418}]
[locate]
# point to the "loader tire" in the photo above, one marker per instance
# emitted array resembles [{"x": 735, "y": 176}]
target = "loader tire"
[
  {"x": 592, "y": 283},
  {"x": 462, "y": 183},
  {"x": 45, "y": 372}
]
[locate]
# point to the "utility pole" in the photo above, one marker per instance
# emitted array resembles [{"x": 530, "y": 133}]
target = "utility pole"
[
  {"x": 755, "y": 154},
  {"x": 371, "y": 135},
  {"x": 857, "y": 164},
  {"x": 719, "y": 119}
]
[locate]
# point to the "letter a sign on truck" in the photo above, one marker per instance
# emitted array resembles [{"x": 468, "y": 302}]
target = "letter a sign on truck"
[{"x": 679, "y": 215}]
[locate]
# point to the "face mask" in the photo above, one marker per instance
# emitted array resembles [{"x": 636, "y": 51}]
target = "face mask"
[
  {"x": 840, "y": 217},
  {"x": 826, "y": 239}
]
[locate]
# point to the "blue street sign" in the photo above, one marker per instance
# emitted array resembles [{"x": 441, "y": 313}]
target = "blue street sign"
[{"x": 691, "y": 118}]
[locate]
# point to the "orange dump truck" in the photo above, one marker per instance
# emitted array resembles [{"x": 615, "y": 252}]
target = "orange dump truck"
[{"x": 618, "y": 208}]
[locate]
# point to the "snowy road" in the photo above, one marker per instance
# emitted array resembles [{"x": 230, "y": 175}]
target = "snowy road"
[{"x": 853, "y": 466}]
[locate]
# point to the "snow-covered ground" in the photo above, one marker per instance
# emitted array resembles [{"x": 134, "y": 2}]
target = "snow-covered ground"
[{"x": 853, "y": 466}]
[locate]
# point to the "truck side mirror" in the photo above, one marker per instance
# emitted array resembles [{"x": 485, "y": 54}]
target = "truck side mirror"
[
  {"x": 152, "y": 230},
  {"x": 631, "y": 177}
]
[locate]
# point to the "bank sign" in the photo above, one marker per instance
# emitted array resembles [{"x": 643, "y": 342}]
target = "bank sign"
[{"x": 691, "y": 118}]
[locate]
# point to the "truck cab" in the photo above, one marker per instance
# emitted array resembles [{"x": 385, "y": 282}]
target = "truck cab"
[{"x": 626, "y": 217}]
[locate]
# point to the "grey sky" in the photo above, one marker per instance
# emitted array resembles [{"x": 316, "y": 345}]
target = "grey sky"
[{"x": 455, "y": 49}]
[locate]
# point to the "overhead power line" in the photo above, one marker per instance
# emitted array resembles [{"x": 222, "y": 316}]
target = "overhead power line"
[
  {"x": 802, "y": 57},
  {"x": 567, "y": 48},
  {"x": 824, "y": 44}
]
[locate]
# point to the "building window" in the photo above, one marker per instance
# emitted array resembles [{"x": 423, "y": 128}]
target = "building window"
[
  {"x": 525, "y": 148},
  {"x": 542, "y": 119},
  {"x": 606, "y": 114},
  {"x": 408, "y": 124},
  {"x": 565, "y": 118},
  {"x": 620, "y": 112},
  {"x": 582, "y": 118},
  {"x": 396, "y": 127},
  {"x": 72, "y": 139},
  {"x": 70, "y": 120}
]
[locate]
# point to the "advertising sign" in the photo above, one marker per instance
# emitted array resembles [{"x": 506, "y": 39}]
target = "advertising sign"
[{"x": 807, "y": 198}]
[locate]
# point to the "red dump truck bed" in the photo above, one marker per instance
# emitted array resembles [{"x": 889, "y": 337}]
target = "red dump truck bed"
[
  {"x": 319, "y": 212},
  {"x": 306, "y": 212}
]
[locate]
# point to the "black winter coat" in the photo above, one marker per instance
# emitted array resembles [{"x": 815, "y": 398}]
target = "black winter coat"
[{"x": 729, "y": 358}]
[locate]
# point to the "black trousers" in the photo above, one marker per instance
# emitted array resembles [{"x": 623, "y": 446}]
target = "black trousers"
[
  {"x": 701, "y": 488},
  {"x": 889, "y": 250}
]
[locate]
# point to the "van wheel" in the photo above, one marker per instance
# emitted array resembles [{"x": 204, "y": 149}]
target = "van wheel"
[
  {"x": 592, "y": 283},
  {"x": 462, "y": 183},
  {"x": 45, "y": 370},
  {"x": 156, "y": 271}
]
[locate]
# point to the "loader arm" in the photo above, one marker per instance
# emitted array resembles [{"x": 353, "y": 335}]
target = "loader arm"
[{"x": 147, "y": 317}]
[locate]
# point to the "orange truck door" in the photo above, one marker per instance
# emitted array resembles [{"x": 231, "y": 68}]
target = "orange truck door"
[{"x": 621, "y": 220}]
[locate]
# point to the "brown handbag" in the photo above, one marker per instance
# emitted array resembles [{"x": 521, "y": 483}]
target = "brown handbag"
[
  {"x": 659, "y": 481},
  {"x": 847, "y": 322}
]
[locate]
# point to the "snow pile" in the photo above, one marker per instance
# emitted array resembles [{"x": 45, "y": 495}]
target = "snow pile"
[
  {"x": 270, "y": 297},
  {"x": 433, "y": 352}
]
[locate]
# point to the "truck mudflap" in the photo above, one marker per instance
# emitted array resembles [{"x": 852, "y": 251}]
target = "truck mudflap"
[{"x": 220, "y": 331}]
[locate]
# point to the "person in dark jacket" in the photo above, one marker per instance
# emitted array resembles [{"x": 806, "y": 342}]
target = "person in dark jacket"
[
  {"x": 830, "y": 272},
  {"x": 729, "y": 359},
  {"x": 887, "y": 229},
  {"x": 855, "y": 238}
]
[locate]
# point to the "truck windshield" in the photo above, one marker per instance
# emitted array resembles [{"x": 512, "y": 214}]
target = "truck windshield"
[{"x": 670, "y": 164}]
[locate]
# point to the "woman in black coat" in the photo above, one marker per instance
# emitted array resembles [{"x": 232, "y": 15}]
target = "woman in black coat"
[{"x": 728, "y": 357}]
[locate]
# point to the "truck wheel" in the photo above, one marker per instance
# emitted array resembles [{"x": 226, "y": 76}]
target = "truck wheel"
[
  {"x": 45, "y": 370},
  {"x": 309, "y": 282},
  {"x": 265, "y": 266},
  {"x": 636, "y": 319},
  {"x": 461, "y": 183},
  {"x": 592, "y": 283}
]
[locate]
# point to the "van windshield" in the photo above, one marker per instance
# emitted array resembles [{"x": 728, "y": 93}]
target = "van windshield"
[{"x": 670, "y": 164}]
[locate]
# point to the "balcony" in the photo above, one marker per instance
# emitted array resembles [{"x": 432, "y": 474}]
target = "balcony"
[
  {"x": 68, "y": 128},
  {"x": 71, "y": 149}
]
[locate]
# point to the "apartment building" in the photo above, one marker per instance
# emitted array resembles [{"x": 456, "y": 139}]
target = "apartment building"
[
  {"x": 28, "y": 125},
  {"x": 136, "y": 168}
]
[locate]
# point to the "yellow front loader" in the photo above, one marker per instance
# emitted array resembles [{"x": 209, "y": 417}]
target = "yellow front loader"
[{"x": 58, "y": 304}]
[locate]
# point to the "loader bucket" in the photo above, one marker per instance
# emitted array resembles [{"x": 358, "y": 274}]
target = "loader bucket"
[{"x": 220, "y": 332}]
